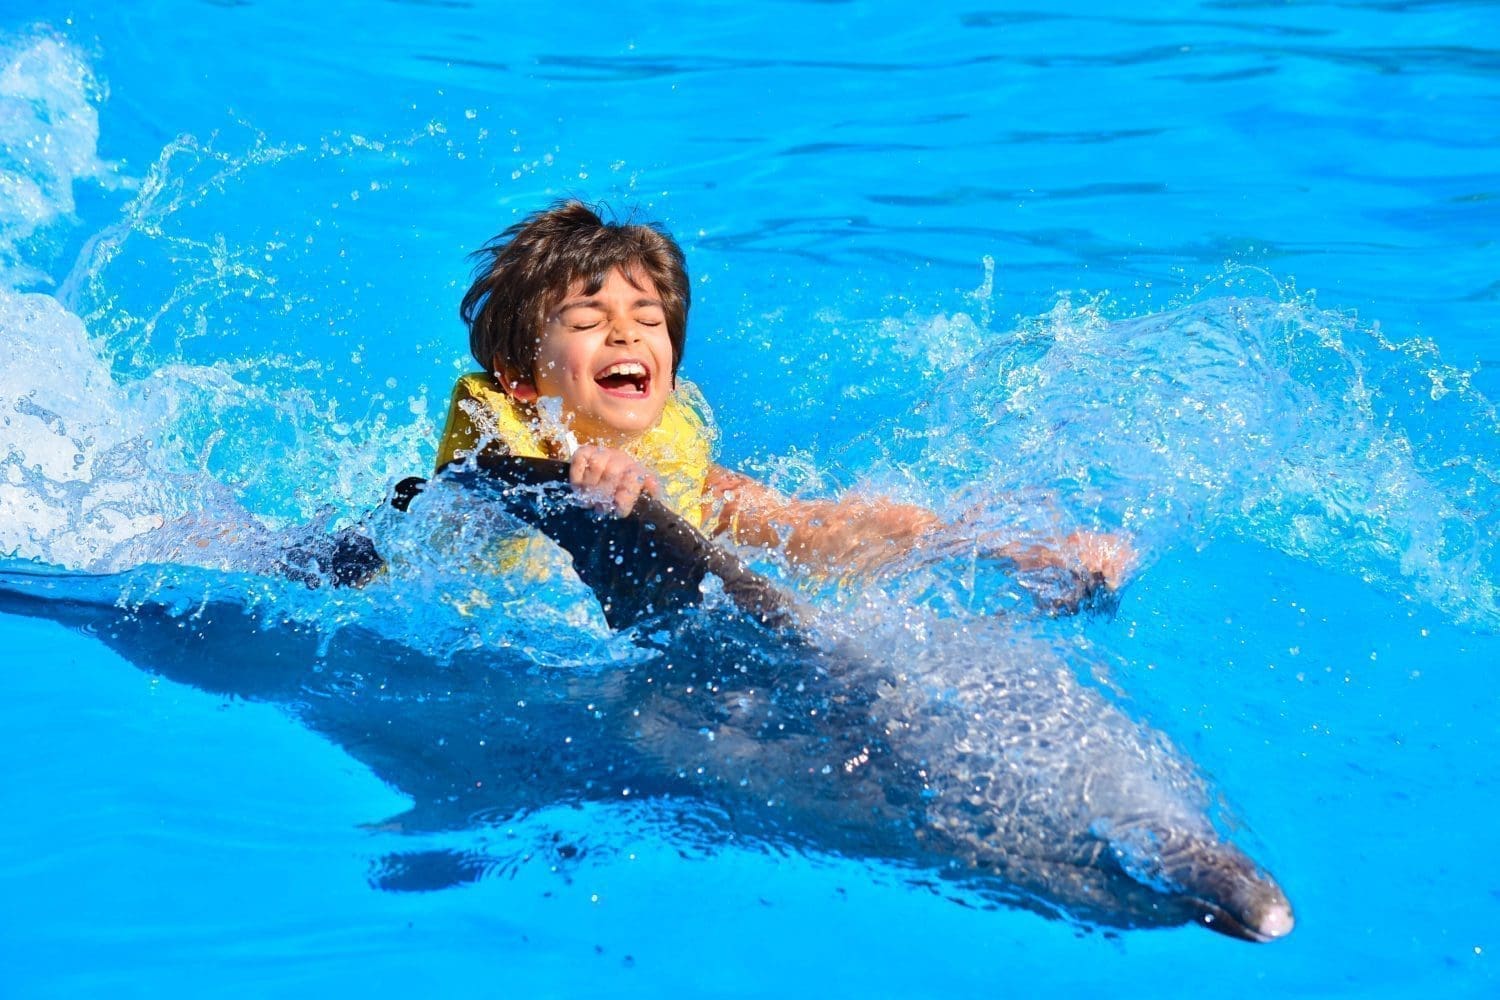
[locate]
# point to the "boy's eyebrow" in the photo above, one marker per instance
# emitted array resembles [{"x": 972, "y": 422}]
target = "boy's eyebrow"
[{"x": 597, "y": 304}]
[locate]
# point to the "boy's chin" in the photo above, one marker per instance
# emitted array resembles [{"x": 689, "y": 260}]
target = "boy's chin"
[{"x": 617, "y": 433}]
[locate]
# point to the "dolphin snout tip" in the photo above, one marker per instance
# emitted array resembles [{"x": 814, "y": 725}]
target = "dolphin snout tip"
[
  {"x": 1267, "y": 923},
  {"x": 1259, "y": 911},
  {"x": 1276, "y": 922}
]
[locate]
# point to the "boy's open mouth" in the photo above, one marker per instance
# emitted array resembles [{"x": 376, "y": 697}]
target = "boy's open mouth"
[{"x": 628, "y": 379}]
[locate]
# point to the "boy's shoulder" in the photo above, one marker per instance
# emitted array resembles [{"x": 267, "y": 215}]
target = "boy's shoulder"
[{"x": 476, "y": 385}]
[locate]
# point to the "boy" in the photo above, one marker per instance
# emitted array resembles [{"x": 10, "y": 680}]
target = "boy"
[{"x": 580, "y": 326}]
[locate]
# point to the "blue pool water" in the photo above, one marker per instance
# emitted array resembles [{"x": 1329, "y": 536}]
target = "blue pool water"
[{"x": 1223, "y": 275}]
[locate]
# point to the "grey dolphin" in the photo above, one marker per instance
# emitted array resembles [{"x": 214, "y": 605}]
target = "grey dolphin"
[
  {"x": 966, "y": 747},
  {"x": 1016, "y": 782}
]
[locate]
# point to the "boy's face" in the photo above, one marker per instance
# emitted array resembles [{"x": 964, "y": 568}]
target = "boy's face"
[{"x": 609, "y": 358}]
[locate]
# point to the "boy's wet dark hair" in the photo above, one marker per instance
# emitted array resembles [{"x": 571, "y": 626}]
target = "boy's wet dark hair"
[{"x": 528, "y": 269}]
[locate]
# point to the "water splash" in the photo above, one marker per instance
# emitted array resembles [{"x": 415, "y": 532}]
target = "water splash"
[
  {"x": 1272, "y": 420},
  {"x": 78, "y": 469},
  {"x": 116, "y": 445},
  {"x": 181, "y": 275},
  {"x": 49, "y": 133}
]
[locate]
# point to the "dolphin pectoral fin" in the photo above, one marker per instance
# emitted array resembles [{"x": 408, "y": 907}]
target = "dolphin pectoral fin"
[
  {"x": 427, "y": 871},
  {"x": 444, "y": 868}
]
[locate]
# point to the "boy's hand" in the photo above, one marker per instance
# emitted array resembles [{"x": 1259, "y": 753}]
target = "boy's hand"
[
  {"x": 1111, "y": 556},
  {"x": 610, "y": 479}
]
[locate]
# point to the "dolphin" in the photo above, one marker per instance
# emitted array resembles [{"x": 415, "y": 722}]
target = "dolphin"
[{"x": 962, "y": 749}]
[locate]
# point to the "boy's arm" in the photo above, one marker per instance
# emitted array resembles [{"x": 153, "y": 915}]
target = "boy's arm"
[
  {"x": 857, "y": 534},
  {"x": 848, "y": 534}
]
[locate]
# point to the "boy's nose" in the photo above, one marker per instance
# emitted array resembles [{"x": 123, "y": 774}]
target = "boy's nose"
[{"x": 621, "y": 332}]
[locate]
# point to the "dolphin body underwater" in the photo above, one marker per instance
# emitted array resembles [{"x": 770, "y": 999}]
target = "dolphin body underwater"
[{"x": 1011, "y": 780}]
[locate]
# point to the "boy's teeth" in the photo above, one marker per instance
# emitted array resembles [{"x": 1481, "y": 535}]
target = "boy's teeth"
[{"x": 626, "y": 368}]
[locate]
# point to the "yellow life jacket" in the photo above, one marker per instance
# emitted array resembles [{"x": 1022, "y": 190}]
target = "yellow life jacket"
[{"x": 679, "y": 449}]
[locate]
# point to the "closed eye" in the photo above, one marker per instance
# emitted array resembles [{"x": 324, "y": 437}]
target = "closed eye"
[{"x": 582, "y": 319}]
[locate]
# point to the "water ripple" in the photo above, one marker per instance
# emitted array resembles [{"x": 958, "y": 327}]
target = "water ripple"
[{"x": 1007, "y": 19}]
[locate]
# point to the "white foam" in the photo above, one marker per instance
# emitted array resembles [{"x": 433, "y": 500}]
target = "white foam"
[
  {"x": 76, "y": 461},
  {"x": 77, "y": 470},
  {"x": 49, "y": 136}
]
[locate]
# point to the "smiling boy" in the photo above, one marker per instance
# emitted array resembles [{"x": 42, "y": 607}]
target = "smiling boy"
[{"x": 575, "y": 318}]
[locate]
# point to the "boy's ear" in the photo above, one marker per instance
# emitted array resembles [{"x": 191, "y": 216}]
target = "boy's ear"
[{"x": 515, "y": 388}]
